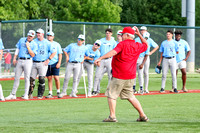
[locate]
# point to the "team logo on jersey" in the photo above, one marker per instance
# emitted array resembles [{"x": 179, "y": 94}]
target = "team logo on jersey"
[{"x": 106, "y": 44}]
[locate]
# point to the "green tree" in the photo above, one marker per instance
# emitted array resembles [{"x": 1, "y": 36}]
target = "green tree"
[
  {"x": 87, "y": 11},
  {"x": 167, "y": 12}
]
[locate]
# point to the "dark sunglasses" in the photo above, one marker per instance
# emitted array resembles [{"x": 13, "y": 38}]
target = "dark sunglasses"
[
  {"x": 97, "y": 44},
  {"x": 80, "y": 39}
]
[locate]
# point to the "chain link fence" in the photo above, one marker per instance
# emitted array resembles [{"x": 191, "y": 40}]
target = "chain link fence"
[{"x": 67, "y": 32}]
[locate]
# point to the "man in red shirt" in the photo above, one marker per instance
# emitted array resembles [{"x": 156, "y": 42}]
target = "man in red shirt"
[
  {"x": 124, "y": 63},
  {"x": 7, "y": 57}
]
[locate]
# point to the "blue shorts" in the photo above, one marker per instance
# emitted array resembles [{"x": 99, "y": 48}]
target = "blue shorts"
[{"x": 52, "y": 70}]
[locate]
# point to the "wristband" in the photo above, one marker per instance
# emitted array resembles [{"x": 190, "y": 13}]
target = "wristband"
[{"x": 49, "y": 58}]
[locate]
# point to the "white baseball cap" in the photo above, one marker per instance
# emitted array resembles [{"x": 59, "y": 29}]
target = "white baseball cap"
[
  {"x": 50, "y": 33},
  {"x": 98, "y": 42},
  {"x": 40, "y": 31},
  {"x": 143, "y": 28},
  {"x": 119, "y": 32},
  {"x": 146, "y": 35},
  {"x": 31, "y": 33},
  {"x": 81, "y": 36}
]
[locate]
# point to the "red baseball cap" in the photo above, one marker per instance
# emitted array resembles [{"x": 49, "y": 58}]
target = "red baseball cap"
[{"x": 128, "y": 30}]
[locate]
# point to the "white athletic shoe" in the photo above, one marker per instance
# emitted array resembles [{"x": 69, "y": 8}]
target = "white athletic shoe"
[
  {"x": 141, "y": 92},
  {"x": 25, "y": 97},
  {"x": 73, "y": 95},
  {"x": 11, "y": 97},
  {"x": 146, "y": 91},
  {"x": 89, "y": 95},
  {"x": 2, "y": 99},
  {"x": 62, "y": 95}
]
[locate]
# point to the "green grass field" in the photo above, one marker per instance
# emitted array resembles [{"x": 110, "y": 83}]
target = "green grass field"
[{"x": 167, "y": 113}]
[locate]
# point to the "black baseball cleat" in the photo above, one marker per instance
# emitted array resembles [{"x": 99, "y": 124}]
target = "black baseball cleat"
[
  {"x": 175, "y": 90},
  {"x": 94, "y": 93},
  {"x": 162, "y": 90}
]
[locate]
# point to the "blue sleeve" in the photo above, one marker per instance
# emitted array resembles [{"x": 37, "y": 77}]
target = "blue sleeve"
[
  {"x": 187, "y": 47},
  {"x": 18, "y": 44},
  {"x": 153, "y": 44},
  {"x": 68, "y": 48},
  {"x": 147, "y": 51},
  {"x": 1, "y": 44}
]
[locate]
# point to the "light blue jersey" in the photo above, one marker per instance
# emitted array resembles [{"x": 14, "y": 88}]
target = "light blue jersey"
[
  {"x": 1, "y": 44},
  {"x": 183, "y": 46},
  {"x": 148, "y": 49},
  {"x": 92, "y": 54},
  {"x": 44, "y": 48},
  {"x": 169, "y": 48},
  {"x": 77, "y": 53},
  {"x": 107, "y": 46},
  {"x": 23, "y": 51},
  {"x": 59, "y": 51}
]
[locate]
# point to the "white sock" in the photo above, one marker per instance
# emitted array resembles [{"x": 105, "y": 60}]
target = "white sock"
[
  {"x": 58, "y": 90},
  {"x": 50, "y": 92}
]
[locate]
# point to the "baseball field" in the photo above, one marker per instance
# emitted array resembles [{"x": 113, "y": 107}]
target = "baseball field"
[{"x": 167, "y": 112}]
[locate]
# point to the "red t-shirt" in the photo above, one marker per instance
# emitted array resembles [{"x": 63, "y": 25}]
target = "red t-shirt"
[
  {"x": 8, "y": 58},
  {"x": 124, "y": 63}
]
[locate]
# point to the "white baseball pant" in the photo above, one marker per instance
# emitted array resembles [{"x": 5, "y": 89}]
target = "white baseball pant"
[
  {"x": 75, "y": 69},
  {"x": 39, "y": 68},
  {"x": 146, "y": 73},
  {"x": 1, "y": 93},
  {"x": 105, "y": 63},
  {"x": 169, "y": 63},
  {"x": 22, "y": 65},
  {"x": 90, "y": 69},
  {"x": 140, "y": 72}
]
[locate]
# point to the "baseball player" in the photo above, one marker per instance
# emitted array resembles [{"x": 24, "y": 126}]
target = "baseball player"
[
  {"x": 181, "y": 58},
  {"x": 46, "y": 52},
  {"x": 26, "y": 49},
  {"x": 140, "y": 65},
  {"x": 169, "y": 48},
  {"x": 1, "y": 53},
  {"x": 54, "y": 66},
  {"x": 7, "y": 58},
  {"x": 88, "y": 64},
  {"x": 107, "y": 44},
  {"x": 76, "y": 52},
  {"x": 119, "y": 36},
  {"x": 119, "y": 39},
  {"x": 155, "y": 46}
]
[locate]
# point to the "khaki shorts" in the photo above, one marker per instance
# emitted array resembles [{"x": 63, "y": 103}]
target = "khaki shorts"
[
  {"x": 120, "y": 87},
  {"x": 181, "y": 65}
]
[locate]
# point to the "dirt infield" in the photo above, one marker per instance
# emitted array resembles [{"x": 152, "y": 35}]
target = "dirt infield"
[{"x": 100, "y": 95}]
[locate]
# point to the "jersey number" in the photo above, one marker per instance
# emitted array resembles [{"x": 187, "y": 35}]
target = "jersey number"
[{"x": 41, "y": 52}]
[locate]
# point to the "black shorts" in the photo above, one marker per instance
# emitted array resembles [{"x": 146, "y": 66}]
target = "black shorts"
[{"x": 52, "y": 70}]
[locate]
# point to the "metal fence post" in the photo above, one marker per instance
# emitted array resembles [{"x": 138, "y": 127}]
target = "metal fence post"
[
  {"x": 46, "y": 27},
  {"x": 50, "y": 25},
  {"x": 191, "y": 34},
  {"x": 24, "y": 30},
  {"x": 84, "y": 32}
]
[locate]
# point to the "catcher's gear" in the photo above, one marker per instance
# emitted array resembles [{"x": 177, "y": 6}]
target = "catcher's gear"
[{"x": 158, "y": 69}]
